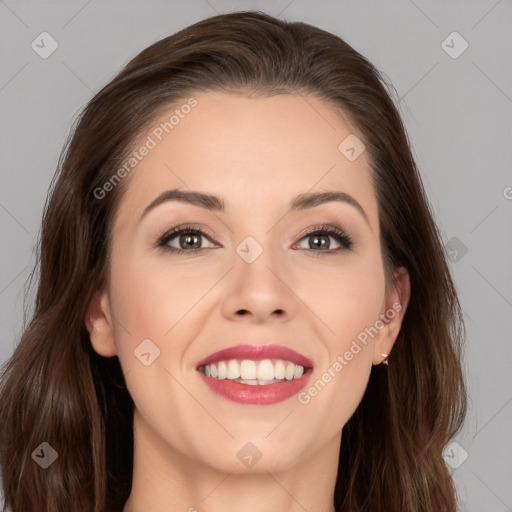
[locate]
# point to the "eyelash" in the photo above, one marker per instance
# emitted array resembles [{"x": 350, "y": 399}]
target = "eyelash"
[{"x": 336, "y": 232}]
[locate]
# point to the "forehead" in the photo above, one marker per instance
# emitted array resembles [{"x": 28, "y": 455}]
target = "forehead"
[{"x": 248, "y": 150}]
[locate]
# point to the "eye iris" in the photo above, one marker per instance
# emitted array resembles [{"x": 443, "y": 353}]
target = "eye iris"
[
  {"x": 323, "y": 240},
  {"x": 185, "y": 240}
]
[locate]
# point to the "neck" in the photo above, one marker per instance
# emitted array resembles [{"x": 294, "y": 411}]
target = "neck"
[{"x": 165, "y": 479}]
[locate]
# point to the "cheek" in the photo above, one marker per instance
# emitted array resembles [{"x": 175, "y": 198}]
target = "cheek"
[
  {"x": 156, "y": 302},
  {"x": 151, "y": 295},
  {"x": 348, "y": 302},
  {"x": 346, "y": 296}
]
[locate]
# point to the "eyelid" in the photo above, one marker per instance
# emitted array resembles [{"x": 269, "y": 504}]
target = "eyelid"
[
  {"x": 170, "y": 233},
  {"x": 333, "y": 230}
]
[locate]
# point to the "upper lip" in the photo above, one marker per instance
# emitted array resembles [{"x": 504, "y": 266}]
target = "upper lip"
[{"x": 257, "y": 353}]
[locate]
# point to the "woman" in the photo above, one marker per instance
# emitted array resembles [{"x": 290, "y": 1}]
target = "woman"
[{"x": 304, "y": 355}]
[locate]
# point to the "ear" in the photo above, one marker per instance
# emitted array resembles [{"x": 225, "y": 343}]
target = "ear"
[
  {"x": 392, "y": 314},
  {"x": 99, "y": 324}
]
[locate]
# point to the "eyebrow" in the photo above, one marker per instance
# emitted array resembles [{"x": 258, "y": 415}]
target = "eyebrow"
[{"x": 217, "y": 204}]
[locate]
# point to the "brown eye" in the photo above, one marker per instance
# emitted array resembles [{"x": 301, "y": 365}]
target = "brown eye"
[
  {"x": 320, "y": 240},
  {"x": 183, "y": 239},
  {"x": 189, "y": 240}
]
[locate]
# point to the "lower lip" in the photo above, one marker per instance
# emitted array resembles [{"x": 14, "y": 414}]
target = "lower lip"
[{"x": 264, "y": 394}]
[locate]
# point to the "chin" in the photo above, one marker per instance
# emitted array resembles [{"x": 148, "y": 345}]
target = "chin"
[{"x": 257, "y": 456}]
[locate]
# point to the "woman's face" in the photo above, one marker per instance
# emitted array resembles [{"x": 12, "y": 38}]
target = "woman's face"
[{"x": 258, "y": 278}]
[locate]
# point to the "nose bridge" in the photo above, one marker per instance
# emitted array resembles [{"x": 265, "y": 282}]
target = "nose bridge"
[
  {"x": 259, "y": 241},
  {"x": 258, "y": 256},
  {"x": 259, "y": 276}
]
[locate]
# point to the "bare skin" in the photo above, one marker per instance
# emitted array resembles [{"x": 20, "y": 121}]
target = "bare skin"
[{"x": 258, "y": 154}]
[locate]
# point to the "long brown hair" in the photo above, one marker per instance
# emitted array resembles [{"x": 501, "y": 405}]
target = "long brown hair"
[{"x": 56, "y": 389}]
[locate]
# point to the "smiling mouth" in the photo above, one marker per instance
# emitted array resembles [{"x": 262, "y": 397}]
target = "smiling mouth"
[{"x": 254, "y": 372}]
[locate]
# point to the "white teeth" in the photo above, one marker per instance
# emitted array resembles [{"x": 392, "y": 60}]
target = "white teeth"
[
  {"x": 254, "y": 382},
  {"x": 266, "y": 370},
  {"x": 252, "y": 372},
  {"x": 222, "y": 369},
  {"x": 279, "y": 369},
  {"x": 247, "y": 369},
  {"x": 233, "y": 370}
]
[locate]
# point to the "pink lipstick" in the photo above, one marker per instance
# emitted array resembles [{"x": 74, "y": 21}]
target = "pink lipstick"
[{"x": 255, "y": 374}]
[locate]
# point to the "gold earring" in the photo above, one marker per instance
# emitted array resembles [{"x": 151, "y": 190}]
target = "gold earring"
[{"x": 385, "y": 360}]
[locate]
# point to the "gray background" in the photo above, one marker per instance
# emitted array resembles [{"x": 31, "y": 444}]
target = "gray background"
[{"x": 457, "y": 112}]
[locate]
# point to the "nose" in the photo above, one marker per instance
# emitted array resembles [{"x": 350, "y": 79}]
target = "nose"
[{"x": 261, "y": 290}]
